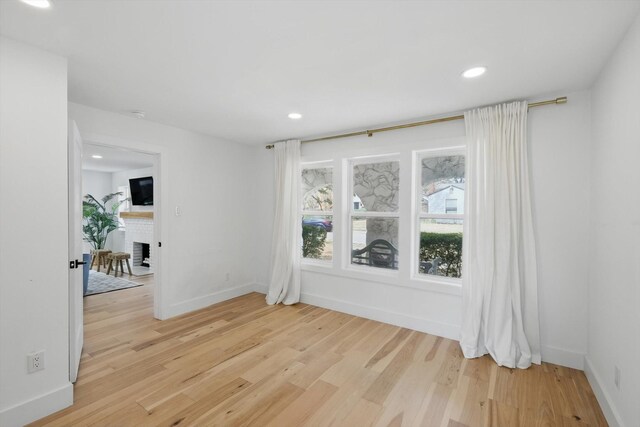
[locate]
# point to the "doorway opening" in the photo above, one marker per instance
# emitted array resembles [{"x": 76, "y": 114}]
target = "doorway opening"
[{"x": 119, "y": 182}]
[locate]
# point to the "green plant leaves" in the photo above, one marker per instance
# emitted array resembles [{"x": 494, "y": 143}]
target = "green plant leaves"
[{"x": 100, "y": 219}]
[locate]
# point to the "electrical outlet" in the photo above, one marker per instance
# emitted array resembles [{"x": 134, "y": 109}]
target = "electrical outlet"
[
  {"x": 35, "y": 361},
  {"x": 616, "y": 377}
]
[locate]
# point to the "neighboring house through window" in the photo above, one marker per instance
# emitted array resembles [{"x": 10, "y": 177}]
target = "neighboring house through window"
[{"x": 440, "y": 219}]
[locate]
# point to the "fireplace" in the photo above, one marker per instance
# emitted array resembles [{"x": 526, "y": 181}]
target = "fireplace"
[
  {"x": 138, "y": 240},
  {"x": 141, "y": 254}
]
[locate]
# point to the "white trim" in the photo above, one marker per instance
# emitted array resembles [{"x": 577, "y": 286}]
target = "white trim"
[
  {"x": 372, "y": 159},
  {"x": 562, "y": 357},
  {"x": 321, "y": 164},
  {"x": 441, "y": 216},
  {"x": 207, "y": 300},
  {"x": 374, "y": 214},
  {"x": 322, "y": 263},
  {"x": 604, "y": 399},
  {"x": 317, "y": 213},
  {"x": 388, "y": 277},
  {"x": 393, "y": 318},
  {"x": 38, "y": 407}
]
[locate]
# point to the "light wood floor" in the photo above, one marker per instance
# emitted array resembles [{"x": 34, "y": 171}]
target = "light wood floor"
[{"x": 242, "y": 362}]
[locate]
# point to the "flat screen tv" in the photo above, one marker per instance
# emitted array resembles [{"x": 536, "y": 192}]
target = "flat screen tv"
[{"x": 141, "y": 191}]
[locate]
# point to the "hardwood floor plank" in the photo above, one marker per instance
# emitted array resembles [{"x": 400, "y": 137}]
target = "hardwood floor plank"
[
  {"x": 304, "y": 406},
  {"x": 379, "y": 390},
  {"x": 243, "y": 363}
]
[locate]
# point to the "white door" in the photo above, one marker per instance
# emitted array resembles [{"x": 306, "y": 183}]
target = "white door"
[{"x": 75, "y": 251}]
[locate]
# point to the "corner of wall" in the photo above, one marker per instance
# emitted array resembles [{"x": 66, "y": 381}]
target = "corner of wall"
[
  {"x": 562, "y": 357},
  {"x": 204, "y": 301}
]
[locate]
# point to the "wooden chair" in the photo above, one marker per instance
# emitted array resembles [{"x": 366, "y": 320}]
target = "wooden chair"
[
  {"x": 118, "y": 257},
  {"x": 378, "y": 253},
  {"x": 99, "y": 256}
]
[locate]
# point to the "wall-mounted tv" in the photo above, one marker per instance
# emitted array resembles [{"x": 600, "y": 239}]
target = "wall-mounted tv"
[{"x": 141, "y": 191}]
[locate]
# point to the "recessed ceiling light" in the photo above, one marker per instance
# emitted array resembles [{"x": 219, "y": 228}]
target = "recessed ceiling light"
[
  {"x": 97, "y": 156},
  {"x": 295, "y": 116},
  {"x": 41, "y": 4},
  {"x": 474, "y": 72}
]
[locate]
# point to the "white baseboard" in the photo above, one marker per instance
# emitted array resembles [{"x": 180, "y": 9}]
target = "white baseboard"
[
  {"x": 207, "y": 300},
  {"x": 38, "y": 407},
  {"x": 398, "y": 319},
  {"x": 562, "y": 357},
  {"x": 605, "y": 401}
]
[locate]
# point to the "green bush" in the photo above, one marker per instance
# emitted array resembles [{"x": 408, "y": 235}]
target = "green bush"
[
  {"x": 313, "y": 241},
  {"x": 447, "y": 246}
]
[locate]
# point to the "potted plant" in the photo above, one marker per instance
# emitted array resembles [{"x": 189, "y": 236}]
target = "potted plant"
[{"x": 100, "y": 218}]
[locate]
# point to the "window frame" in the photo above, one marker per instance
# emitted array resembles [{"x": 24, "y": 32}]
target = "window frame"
[
  {"x": 418, "y": 215},
  {"x": 347, "y": 264},
  {"x": 323, "y": 164}
]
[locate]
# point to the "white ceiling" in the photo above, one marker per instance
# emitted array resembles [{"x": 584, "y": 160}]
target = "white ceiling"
[
  {"x": 236, "y": 69},
  {"x": 113, "y": 159}
]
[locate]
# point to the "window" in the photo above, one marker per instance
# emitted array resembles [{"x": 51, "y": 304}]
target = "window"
[
  {"x": 123, "y": 199},
  {"x": 317, "y": 213},
  {"x": 440, "y": 219},
  {"x": 374, "y": 213},
  {"x": 451, "y": 206}
]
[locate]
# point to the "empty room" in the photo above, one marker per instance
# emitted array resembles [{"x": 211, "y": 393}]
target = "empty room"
[{"x": 319, "y": 213}]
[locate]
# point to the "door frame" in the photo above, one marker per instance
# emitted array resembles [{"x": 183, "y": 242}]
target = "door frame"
[{"x": 160, "y": 195}]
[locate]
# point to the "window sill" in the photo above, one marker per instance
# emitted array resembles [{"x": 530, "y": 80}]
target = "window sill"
[
  {"x": 438, "y": 284},
  {"x": 391, "y": 278},
  {"x": 310, "y": 262}
]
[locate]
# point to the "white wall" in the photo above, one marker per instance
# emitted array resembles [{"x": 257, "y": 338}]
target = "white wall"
[
  {"x": 98, "y": 184},
  {"x": 34, "y": 296},
  {"x": 559, "y": 141},
  {"x": 209, "y": 180},
  {"x": 614, "y": 286}
]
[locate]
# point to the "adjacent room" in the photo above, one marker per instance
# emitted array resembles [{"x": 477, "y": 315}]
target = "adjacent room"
[
  {"x": 117, "y": 191},
  {"x": 319, "y": 213}
]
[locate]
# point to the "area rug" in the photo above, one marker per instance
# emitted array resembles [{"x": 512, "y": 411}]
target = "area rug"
[{"x": 100, "y": 283}]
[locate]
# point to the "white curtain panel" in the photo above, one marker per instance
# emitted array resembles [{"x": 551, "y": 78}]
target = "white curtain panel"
[
  {"x": 287, "y": 229},
  {"x": 500, "y": 289}
]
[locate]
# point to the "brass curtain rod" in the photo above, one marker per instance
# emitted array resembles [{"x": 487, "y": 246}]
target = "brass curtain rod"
[{"x": 561, "y": 100}]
